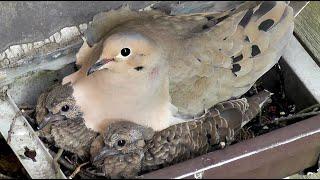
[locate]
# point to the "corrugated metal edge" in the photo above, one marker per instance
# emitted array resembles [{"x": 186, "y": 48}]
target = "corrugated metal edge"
[
  {"x": 24, "y": 136},
  {"x": 52, "y": 61}
]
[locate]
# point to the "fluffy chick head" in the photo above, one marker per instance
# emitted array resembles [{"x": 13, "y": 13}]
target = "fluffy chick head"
[{"x": 60, "y": 105}]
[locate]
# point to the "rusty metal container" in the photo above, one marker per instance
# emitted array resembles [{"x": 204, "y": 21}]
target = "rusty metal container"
[{"x": 277, "y": 154}]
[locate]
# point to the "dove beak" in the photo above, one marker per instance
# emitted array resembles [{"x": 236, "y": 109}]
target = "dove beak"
[
  {"x": 105, "y": 152},
  {"x": 98, "y": 65},
  {"x": 48, "y": 119}
]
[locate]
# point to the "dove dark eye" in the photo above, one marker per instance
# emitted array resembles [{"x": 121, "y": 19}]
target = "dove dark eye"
[
  {"x": 121, "y": 143},
  {"x": 125, "y": 52},
  {"x": 65, "y": 108}
]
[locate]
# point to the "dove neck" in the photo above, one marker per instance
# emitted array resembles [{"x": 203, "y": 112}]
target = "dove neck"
[{"x": 117, "y": 96}]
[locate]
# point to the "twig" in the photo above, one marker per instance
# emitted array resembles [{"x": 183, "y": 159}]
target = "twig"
[
  {"x": 30, "y": 120},
  {"x": 302, "y": 115},
  {"x": 26, "y": 113},
  {"x": 62, "y": 161},
  {"x": 281, "y": 79},
  {"x": 309, "y": 108},
  {"x": 71, "y": 167},
  {"x": 77, "y": 170},
  {"x": 266, "y": 121},
  {"x": 95, "y": 173},
  {"x": 67, "y": 158},
  {"x": 55, "y": 160}
]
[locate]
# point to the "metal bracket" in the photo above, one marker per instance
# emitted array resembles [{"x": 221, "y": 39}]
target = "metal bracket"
[{"x": 21, "y": 137}]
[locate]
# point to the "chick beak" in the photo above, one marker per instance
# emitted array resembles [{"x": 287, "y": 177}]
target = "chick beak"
[
  {"x": 97, "y": 66},
  {"x": 49, "y": 118},
  {"x": 105, "y": 152}
]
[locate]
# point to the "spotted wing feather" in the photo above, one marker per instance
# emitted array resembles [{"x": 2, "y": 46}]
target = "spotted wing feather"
[
  {"x": 73, "y": 136},
  {"x": 226, "y": 59},
  {"x": 190, "y": 139}
]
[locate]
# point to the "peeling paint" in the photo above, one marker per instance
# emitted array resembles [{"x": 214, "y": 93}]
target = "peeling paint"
[
  {"x": 69, "y": 33},
  {"x": 8, "y": 53},
  {"x": 83, "y": 27},
  {"x": 51, "y": 38},
  {"x": 12, "y": 55},
  {"x": 16, "y": 50},
  {"x": 147, "y": 8},
  {"x": 47, "y": 41},
  {"x": 2, "y": 55},
  {"x": 38, "y": 44},
  {"x": 26, "y": 47},
  {"x": 57, "y": 37}
]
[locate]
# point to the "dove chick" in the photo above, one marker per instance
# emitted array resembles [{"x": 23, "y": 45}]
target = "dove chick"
[
  {"x": 158, "y": 70},
  {"x": 64, "y": 122},
  {"x": 127, "y": 149}
]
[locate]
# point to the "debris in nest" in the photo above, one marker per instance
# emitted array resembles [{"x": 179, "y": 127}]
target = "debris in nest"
[
  {"x": 279, "y": 113},
  {"x": 77, "y": 170},
  {"x": 301, "y": 115},
  {"x": 70, "y": 166}
]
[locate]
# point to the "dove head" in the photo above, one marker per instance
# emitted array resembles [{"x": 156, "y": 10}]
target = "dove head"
[
  {"x": 131, "y": 53},
  {"x": 60, "y": 105},
  {"x": 124, "y": 144}
]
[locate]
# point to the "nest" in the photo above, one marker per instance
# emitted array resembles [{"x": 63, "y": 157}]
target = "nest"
[{"x": 277, "y": 114}]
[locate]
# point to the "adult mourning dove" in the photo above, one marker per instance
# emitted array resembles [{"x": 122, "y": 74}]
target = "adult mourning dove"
[
  {"x": 157, "y": 70},
  {"x": 127, "y": 148},
  {"x": 57, "y": 112}
]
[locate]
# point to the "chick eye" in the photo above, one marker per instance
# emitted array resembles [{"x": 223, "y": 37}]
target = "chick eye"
[
  {"x": 125, "y": 52},
  {"x": 65, "y": 108},
  {"x": 121, "y": 143}
]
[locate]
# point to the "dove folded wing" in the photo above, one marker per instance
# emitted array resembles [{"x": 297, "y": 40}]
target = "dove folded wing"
[{"x": 225, "y": 60}]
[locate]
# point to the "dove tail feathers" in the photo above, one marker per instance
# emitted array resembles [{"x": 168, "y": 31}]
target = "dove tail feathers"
[
  {"x": 256, "y": 103},
  {"x": 234, "y": 114}
]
